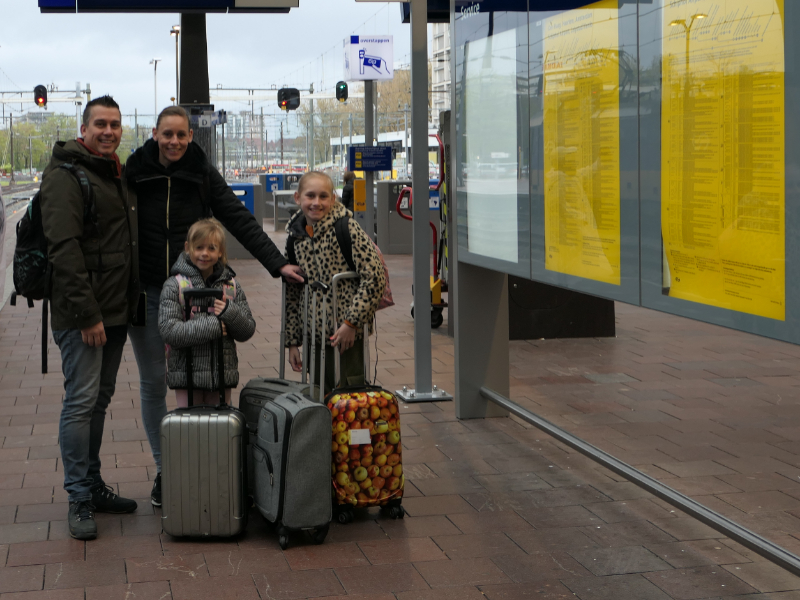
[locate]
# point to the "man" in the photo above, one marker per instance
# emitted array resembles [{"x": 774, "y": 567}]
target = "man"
[{"x": 94, "y": 290}]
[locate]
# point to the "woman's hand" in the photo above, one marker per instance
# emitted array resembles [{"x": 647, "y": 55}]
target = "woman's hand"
[
  {"x": 295, "y": 359},
  {"x": 344, "y": 338},
  {"x": 292, "y": 273}
]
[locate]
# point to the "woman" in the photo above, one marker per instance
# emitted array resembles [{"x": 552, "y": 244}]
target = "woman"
[
  {"x": 347, "y": 190},
  {"x": 176, "y": 187}
]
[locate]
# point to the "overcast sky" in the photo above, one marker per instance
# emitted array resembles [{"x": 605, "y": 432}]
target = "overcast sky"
[{"x": 113, "y": 51}]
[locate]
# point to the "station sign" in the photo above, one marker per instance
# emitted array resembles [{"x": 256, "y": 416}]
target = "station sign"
[
  {"x": 370, "y": 158},
  {"x": 167, "y": 5},
  {"x": 368, "y": 58}
]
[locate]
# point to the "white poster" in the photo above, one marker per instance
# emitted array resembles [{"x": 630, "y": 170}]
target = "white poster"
[{"x": 491, "y": 153}]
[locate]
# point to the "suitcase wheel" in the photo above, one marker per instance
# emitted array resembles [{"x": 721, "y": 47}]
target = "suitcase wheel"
[
  {"x": 283, "y": 538},
  {"x": 345, "y": 516},
  {"x": 319, "y": 534},
  {"x": 394, "y": 512}
]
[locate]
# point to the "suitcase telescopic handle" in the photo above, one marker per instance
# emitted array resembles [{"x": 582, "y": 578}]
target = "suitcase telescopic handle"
[
  {"x": 189, "y": 296},
  {"x": 317, "y": 286},
  {"x": 304, "y": 317}
]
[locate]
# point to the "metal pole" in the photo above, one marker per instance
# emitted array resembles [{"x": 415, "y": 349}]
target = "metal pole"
[
  {"x": 223, "y": 152},
  {"x": 308, "y": 164},
  {"x": 368, "y": 223},
  {"x": 155, "y": 92},
  {"x": 421, "y": 230},
  {"x": 281, "y": 142},
  {"x": 136, "y": 124},
  {"x": 177, "y": 67},
  {"x": 424, "y": 390},
  {"x": 263, "y": 137},
  {"x": 341, "y": 148},
  {"x": 405, "y": 135},
  {"x": 11, "y": 133},
  {"x": 312, "y": 161}
]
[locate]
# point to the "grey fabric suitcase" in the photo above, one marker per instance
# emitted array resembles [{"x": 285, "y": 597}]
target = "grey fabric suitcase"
[
  {"x": 292, "y": 463},
  {"x": 261, "y": 390},
  {"x": 203, "y": 456}
]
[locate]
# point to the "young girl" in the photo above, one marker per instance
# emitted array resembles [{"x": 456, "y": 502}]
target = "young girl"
[
  {"x": 203, "y": 264},
  {"x": 314, "y": 246}
]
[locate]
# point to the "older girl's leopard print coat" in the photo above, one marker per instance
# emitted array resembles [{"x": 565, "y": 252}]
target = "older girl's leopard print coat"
[{"x": 321, "y": 258}]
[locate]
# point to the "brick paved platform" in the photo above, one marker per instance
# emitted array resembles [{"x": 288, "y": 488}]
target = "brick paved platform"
[{"x": 496, "y": 509}]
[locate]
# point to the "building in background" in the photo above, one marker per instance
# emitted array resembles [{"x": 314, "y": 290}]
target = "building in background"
[{"x": 440, "y": 77}]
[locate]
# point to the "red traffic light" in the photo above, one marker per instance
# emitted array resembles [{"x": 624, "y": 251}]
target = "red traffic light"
[
  {"x": 288, "y": 98},
  {"x": 40, "y": 95}
]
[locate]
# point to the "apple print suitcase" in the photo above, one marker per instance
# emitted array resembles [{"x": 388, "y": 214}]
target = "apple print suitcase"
[
  {"x": 366, "y": 441},
  {"x": 292, "y": 466},
  {"x": 257, "y": 392},
  {"x": 203, "y": 450}
]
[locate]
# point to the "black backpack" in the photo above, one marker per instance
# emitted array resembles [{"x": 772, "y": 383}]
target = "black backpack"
[{"x": 32, "y": 269}]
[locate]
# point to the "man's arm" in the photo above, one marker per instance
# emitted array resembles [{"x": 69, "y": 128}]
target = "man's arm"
[{"x": 62, "y": 221}]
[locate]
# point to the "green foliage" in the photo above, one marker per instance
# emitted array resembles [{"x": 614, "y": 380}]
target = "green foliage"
[{"x": 38, "y": 139}]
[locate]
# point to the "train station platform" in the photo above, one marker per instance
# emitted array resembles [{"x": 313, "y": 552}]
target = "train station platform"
[{"x": 496, "y": 509}]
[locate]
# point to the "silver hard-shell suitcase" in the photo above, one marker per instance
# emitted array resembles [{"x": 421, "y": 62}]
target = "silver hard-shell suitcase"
[
  {"x": 291, "y": 460},
  {"x": 203, "y": 456}
]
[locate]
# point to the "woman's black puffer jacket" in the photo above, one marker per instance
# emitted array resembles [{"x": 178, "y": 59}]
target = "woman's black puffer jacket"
[{"x": 172, "y": 198}]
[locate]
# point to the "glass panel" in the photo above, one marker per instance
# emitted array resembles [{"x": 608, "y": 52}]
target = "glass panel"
[
  {"x": 723, "y": 155},
  {"x": 490, "y": 151},
  {"x": 492, "y": 119},
  {"x": 584, "y": 139},
  {"x": 582, "y": 142},
  {"x": 718, "y": 152}
]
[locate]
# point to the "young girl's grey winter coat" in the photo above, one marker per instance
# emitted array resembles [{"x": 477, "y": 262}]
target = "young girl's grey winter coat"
[{"x": 201, "y": 330}]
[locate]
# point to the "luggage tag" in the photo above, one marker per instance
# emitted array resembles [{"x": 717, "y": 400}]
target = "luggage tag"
[{"x": 360, "y": 436}]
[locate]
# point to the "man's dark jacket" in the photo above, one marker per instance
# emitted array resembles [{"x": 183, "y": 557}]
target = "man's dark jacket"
[
  {"x": 171, "y": 199},
  {"x": 95, "y": 270}
]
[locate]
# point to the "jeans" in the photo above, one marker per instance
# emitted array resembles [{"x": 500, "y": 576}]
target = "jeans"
[
  {"x": 90, "y": 375},
  {"x": 148, "y": 347}
]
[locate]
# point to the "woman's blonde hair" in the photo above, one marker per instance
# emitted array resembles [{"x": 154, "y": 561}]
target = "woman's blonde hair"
[{"x": 205, "y": 229}]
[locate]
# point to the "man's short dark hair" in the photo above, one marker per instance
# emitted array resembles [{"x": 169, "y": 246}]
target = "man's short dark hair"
[{"x": 106, "y": 101}]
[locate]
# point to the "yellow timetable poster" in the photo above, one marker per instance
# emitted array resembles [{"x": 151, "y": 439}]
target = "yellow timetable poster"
[
  {"x": 581, "y": 142},
  {"x": 722, "y": 152}
]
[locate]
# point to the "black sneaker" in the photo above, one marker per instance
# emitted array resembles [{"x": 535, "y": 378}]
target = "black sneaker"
[
  {"x": 106, "y": 501},
  {"x": 155, "y": 495},
  {"x": 81, "y": 521}
]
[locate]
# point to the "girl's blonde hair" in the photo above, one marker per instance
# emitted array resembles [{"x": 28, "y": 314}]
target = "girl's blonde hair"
[
  {"x": 205, "y": 229},
  {"x": 308, "y": 175}
]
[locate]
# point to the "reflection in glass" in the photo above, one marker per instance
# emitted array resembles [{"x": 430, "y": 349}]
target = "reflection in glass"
[
  {"x": 723, "y": 154},
  {"x": 491, "y": 149},
  {"x": 582, "y": 142}
]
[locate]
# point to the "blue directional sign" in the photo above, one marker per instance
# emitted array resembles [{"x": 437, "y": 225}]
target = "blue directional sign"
[
  {"x": 370, "y": 158},
  {"x": 167, "y": 5}
]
